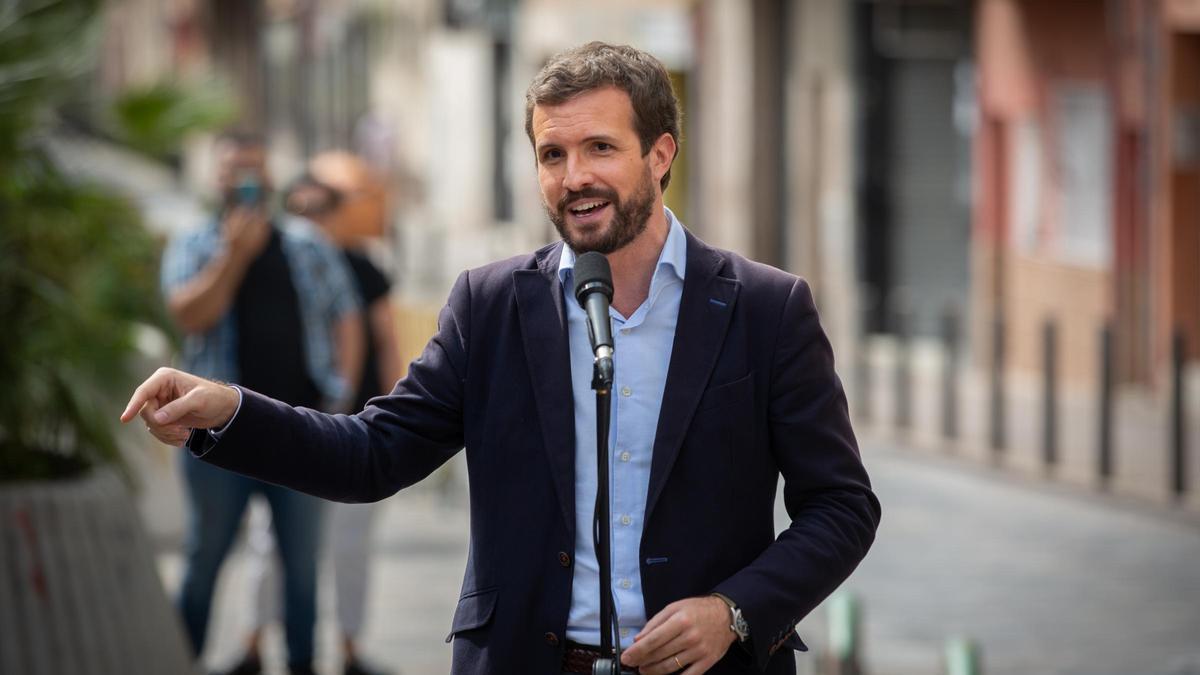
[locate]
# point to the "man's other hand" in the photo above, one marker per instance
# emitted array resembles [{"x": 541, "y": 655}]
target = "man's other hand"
[
  {"x": 689, "y": 636},
  {"x": 172, "y": 403}
]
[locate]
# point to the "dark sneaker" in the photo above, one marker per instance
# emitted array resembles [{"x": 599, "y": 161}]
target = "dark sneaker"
[
  {"x": 357, "y": 667},
  {"x": 249, "y": 665}
]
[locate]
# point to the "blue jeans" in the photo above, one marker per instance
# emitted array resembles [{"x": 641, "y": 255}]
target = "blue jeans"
[{"x": 217, "y": 500}]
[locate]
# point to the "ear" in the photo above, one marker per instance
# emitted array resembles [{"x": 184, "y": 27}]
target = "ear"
[{"x": 662, "y": 154}]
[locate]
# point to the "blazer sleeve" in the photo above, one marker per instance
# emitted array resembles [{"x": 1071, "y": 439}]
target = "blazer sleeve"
[
  {"x": 394, "y": 442},
  {"x": 834, "y": 513}
]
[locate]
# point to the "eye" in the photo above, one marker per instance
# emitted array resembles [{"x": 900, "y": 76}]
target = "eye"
[
  {"x": 551, "y": 155},
  {"x": 601, "y": 146}
]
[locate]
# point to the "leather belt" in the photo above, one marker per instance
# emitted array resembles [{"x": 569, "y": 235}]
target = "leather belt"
[{"x": 579, "y": 658}]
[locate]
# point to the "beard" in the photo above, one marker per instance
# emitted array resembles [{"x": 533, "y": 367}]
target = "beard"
[{"x": 628, "y": 220}]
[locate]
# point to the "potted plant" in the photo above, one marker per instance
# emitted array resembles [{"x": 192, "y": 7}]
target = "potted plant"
[{"x": 79, "y": 591}]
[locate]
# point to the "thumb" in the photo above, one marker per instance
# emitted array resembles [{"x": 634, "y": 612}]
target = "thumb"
[{"x": 177, "y": 409}]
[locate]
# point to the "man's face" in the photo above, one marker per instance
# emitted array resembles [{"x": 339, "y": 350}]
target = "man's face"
[
  {"x": 597, "y": 187},
  {"x": 239, "y": 164}
]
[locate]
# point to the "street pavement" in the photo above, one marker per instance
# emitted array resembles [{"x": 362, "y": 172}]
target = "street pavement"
[{"x": 1047, "y": 580}]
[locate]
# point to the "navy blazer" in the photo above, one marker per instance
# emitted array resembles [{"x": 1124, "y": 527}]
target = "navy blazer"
[{"x": 751, "y": 394}]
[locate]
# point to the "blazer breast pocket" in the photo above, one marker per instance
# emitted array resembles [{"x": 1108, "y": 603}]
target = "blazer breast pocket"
[
  {"x": 739, "y": 392},
  {"x": 722, "y": 430},
  {"x": 723, "y": 418}
]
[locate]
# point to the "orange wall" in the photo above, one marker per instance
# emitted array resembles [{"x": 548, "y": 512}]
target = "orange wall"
[
  {"x": 1077, "y": 298},
  {"x": 1024, "y": 43},
  {"x": 1004, "y": 55},
  {"x": 1184, "y": 186},
  {"x": 1024, "y": 47},
  {"x": 1183, "y": 14}
]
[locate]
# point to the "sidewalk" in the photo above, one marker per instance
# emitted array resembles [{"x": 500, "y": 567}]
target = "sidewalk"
[{"x": 1140, "y": 426}]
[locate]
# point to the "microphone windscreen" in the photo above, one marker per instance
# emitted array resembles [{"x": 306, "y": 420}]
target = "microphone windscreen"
[{"x": 592, "y": 273}]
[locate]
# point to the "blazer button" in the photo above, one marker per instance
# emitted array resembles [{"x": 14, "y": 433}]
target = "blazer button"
[
  {"x": 551, "y": 639},
  {"x": 564, "y": 559}
]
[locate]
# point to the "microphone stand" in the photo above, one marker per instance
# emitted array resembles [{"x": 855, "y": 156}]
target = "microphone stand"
[{"x": 602, "y": 379}]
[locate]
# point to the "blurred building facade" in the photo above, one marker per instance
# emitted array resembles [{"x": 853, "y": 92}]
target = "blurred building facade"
[
  {"x": 1088, "y": 179},
  {"x": 1000, "y": 162}
]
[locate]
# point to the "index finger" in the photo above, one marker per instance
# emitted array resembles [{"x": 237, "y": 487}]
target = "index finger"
[
  {"x": 657, "y": 620},
  {"x": 654, "y": 635},
  {"x": 146, "y": 391}
]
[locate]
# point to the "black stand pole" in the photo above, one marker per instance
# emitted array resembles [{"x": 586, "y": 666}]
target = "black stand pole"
[{"x": 602, "y": 379}]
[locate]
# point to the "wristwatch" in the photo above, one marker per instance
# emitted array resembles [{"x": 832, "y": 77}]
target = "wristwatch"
[{"x": 737, "y": 622}]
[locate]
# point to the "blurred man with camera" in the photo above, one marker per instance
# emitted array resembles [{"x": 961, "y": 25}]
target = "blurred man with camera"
[{"x": 262, "y": 298}]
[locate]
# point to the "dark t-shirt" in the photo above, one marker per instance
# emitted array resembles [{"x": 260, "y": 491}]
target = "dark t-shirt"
[
  {"x": 372, "y": 285},
  {"x": 270, "y": 330}
]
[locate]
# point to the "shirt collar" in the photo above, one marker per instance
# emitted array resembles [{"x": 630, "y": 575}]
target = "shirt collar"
[{"x": 673, "y": 257}]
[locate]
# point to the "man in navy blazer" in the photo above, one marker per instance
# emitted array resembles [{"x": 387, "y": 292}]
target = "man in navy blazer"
[{"x": 749, "y": 394}]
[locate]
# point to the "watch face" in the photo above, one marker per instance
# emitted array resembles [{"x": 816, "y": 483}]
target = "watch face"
[{"x": 739, "y": 625}]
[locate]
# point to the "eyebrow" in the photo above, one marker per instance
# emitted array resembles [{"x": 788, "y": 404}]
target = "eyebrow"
[
  {"x": 605, "y": 138},
  {"x": 611, "y": 140}
]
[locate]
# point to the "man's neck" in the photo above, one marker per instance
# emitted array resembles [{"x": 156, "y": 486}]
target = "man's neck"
[{"x": 633, "y": 265}]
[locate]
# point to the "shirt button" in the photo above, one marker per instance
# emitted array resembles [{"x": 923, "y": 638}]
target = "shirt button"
[
  {"x": 564, "y": 559},
  {"x": 626, "y": 391},
  {"x": 625, "y": 583},
  {"x": 624, "y": 331},
  {"x": 625, "y": 520},
  {"x": 625, "y": 456},
  {"x": 551, "y": 639},
  {"x": 624, "y": 632}
]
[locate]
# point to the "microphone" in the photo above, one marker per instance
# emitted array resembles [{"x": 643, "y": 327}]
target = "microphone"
[{"x": 593, "y": 291}]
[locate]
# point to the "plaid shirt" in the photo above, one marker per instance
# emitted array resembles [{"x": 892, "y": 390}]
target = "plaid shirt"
[{"x": 323, "y": 286}]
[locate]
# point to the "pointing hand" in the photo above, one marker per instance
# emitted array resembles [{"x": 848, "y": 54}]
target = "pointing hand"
[{"x": 173, "y": 402}]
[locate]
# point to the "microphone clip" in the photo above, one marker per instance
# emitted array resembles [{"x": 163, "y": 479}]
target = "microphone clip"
[{"x": 602, "y": 369}]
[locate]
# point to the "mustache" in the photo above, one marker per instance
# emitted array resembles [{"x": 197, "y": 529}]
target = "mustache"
[{"x": 593, "y": 193}]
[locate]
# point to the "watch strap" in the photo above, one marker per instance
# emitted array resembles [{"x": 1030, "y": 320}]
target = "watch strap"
[{"x": 737, "y": 623}]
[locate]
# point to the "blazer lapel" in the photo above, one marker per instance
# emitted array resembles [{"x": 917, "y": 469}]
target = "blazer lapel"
[
  {"x": 543, "y": 323},
  {"x": 704, "y": 313}
]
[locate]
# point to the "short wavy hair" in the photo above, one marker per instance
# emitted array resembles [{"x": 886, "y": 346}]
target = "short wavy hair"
[{"x": 596, "y": 65}]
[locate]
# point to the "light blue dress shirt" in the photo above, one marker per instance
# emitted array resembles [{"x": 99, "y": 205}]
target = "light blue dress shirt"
[{"x": 642, "y": 352}]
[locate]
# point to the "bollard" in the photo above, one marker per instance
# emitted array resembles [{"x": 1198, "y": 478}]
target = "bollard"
[
  {"x": 962, "y": 657},
  {"x": 862, "y": 379},
  {"x": 845, "y": 624},
  {"x": 950, "y": 359},
  {"x": 1178, "y": 438},
  {"x": 862, "y": 370},
  {"x": 996, "y": 418},
  {"x": 902, "y": 320},
  {"x": 1049, "y": 395},
  {"x": 1104, "y": 450}
]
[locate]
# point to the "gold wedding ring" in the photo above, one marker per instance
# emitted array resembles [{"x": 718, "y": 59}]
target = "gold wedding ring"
[{"x": 677, "y": 663}]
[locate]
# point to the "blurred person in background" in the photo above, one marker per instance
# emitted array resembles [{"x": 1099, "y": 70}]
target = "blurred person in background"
[
  {"x": 346, "y": 214},
  {"x": 262, "y": 297}
]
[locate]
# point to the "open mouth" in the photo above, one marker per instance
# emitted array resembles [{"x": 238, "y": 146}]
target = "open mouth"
[{"x": 584, "y": 209}]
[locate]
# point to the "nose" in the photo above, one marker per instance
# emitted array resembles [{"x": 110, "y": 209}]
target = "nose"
[{"x": 578, "y": 174}]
